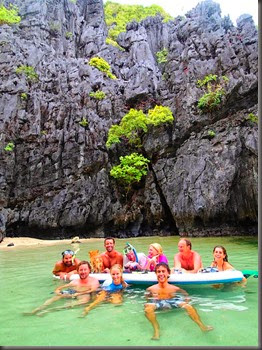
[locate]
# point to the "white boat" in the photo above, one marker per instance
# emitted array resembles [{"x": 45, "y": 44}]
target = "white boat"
[{"x": 149, "y": 278}]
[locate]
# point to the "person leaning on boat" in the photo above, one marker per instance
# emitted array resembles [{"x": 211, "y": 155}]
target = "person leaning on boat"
[
  {"x": 221, "y": 263},
  {"x": 155, "y": 256},
  {"x": 221, "y": 259},
  {"x": 133, "y": 261},
  {"x": 187, "y": 260},
  {"x": 67, "y": 266},
  {"x": 110, "y": 257}
]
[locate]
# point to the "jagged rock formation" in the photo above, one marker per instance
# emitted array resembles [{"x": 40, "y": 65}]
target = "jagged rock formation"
[{"x": 56, "y": 182}]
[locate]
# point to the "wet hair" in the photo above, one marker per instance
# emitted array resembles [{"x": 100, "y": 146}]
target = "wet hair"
[
  {"x": 188, "y": 243},
  {"x": 224, "y": 251},
  {"x": 119, "y": 267},
  {"x": 108, "y": 238},
  {"x": 164, "y": 265},
  {"x": 84, "y": 262}
]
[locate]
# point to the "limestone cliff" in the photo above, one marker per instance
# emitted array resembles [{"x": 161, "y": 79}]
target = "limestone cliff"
[{"x": 56, "y": 182}]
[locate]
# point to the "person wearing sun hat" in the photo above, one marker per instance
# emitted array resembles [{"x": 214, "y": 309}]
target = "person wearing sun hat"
[
  {"x": 155, "y": 256},
  {"x": 133, "y": 261}
]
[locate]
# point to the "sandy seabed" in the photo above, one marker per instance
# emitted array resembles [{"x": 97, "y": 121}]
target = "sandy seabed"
[{"x": 28, "y": 241}]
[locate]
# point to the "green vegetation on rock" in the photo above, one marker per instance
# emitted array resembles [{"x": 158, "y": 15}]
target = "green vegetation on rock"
[
  {"x": 9, "y": 147},
  {"x": 102, "y": 65},
  {"x": 117, "y": 16},
  {"x": 83, "y": 122},
  {"x": 215, "y": 91},
  {"x": 135, "y": 122},
  {"x": 28, "y": 71},
  {"x": 98, "y": 95},
  {"x": 253, "y": 118},
  {"x": 68, "y": 35},
  {"x": 162, "y": 56},
  {"x": 24, "y": 96},
  {"x": 211, "y": 133},
  {"x": 9, "y": 16},
  {"x": 131, "y": 169},
  {"x": 112, "y": 42}
]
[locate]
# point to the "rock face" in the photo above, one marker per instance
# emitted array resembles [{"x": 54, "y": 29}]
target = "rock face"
[{"x": 56, "y": 183}]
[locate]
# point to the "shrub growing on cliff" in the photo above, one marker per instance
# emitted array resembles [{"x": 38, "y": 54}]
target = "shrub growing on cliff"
[
  {"x": 160, "y": 115},
  {"x": 9, "y": 16},
  {"x": 102, "y": 65},
  {"x": 131, "y": 169},
  {"x": 24, "y": 96},
  {"x": 83, "y": 122},
  {"x": 134, "y": 123},
  {"x": 112, "y": 42},
  {"x": 9, "y": 147},
  {"x": 252, "y": 117},
  {"x": 117, "y": 16},
  {"x": 98, "y": 95},
  {"x": 211, "y": 134},
  {"x": 162, "y": 56},
  {"x": 28, "y": 71},
  {"x": 215, "y": 91}
]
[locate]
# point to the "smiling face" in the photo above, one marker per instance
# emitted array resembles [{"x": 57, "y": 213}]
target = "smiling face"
[
  {"x": 183, "y": 247},
  {"x": 131, "y": 256},
  {"x": 116, "y": 275},
  {"x": 162, "y": 274},
  {"x": 68, "y": 260},
  {"x": 83, "y": 271},
  {"x": 218, "y": 254},
  {"x": 109, "y": 245},
  {"x": 152, "y": 251}
]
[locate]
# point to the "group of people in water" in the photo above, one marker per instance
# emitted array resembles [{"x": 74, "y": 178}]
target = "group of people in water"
[{"x": 160, "y": 296}]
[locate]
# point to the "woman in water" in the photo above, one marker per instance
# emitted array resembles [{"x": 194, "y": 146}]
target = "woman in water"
[
  {"x": 111, "y": 291},
  {"x": 221, "y": 259},
  {"x": 155, "y": 256},
  {"x": 221, "y": 262}
]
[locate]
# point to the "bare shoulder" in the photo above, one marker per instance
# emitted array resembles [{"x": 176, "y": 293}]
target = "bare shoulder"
[
  {"x": 228, "y": 266},
  {"x": 58, "y": 265},
  {"x": 153, "y": 289},
  {"x": 93, "y": 279},
  {"x": 196, "y": 255},
  {"x": 172, "y": 288}
]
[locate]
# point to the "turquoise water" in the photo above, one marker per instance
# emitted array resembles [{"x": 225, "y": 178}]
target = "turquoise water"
[{"x": 27, "y": 282}]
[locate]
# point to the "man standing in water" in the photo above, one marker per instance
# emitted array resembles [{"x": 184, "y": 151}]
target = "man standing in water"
[
  {"x": 187, "y": 260},
  {"x": 110, "y": 257},
  {"x": 79, "y": 289},
  {"x": 163, "y": 297},
  {"x": 67, "y": 266}
]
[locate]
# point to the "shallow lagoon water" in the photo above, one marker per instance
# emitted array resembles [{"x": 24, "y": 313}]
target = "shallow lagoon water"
[{"x": 27, "y": 282}]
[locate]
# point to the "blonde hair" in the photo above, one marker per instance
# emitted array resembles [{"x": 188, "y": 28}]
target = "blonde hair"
[
  {"x": 157, "y": 247},
  {"x": 119, "y": 267}
]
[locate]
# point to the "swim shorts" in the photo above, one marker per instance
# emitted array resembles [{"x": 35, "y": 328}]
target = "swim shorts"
[
  {"x": 68, "y": 291},
  {"x": 167, "y": 304}
]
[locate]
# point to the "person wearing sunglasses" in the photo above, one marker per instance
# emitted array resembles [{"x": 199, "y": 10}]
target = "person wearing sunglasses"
[
  {"x": 67, "y": 266},
  {"x": 133, "y": 261}
]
